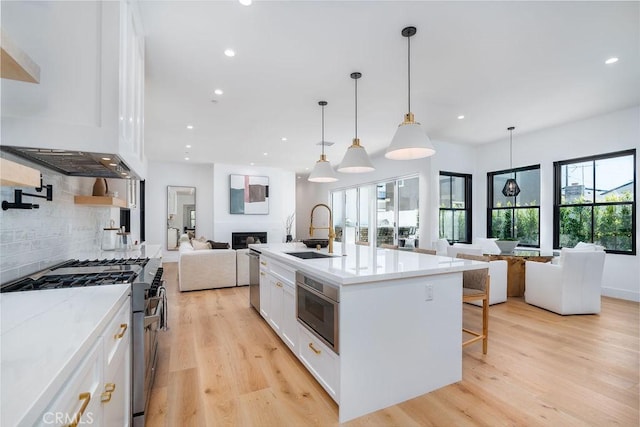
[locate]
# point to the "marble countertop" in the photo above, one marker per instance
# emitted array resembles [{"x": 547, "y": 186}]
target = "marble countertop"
[
  {"x": 44, "y": 335},
  {"x": 353, "y": 264}
]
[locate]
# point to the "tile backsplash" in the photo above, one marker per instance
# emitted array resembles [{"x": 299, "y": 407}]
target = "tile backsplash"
[{"x": 33, "y": 239}]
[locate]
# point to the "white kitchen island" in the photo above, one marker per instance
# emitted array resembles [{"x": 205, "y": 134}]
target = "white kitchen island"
[{"x": 400, "y": 323}]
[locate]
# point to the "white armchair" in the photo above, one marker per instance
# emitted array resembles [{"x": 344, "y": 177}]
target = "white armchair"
[
  {"x": 462, "y": 248},
  {"x": 572, "y": 287}
]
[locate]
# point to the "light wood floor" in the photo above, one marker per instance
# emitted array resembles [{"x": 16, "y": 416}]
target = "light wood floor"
[{"x": 221, "y": 364}]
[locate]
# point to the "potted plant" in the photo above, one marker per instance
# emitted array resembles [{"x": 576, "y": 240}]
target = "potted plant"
[{"x": 287, "y": 226}]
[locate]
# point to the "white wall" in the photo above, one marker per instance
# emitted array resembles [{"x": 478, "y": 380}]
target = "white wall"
[
  {"x": 33, "y": 239},
  {"x": 602, "y": 134},
  {"x": 282, "y": 203}
]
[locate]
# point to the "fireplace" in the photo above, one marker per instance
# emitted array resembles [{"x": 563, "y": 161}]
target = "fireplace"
[{"x": 239, "y": 240}]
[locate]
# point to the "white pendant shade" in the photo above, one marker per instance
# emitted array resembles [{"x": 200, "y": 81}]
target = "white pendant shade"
[
  {"x": 322, "y": 171},
  {"x": 410, "y": 142},
  {"x": 356, "y": 160}
]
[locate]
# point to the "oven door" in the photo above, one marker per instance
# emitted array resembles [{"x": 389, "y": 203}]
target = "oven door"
[{"x": 319, "y": 314}]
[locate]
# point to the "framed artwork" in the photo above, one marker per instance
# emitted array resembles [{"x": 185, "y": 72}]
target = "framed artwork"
[{"x": 249, "y": 195}]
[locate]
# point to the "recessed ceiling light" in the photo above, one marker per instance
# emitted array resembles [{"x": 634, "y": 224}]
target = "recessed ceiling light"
[
  {"x": 245, "y": 2},
  {"x": 189, "y": 126},
  {"x": 612, "y": 60},
  {"x": 113, "y": 164},
  {"x": 187, "y": 146},
  {"x": 106, "y": 158},
  {"x": 218, "y": 91},
  {"x": 460, "y": 117},
  {"x": 283, "y": 138},
  {"x": 229, "y": 52},
  {"x": 251, "y": 164},
  {"x": 186, "y": 158},
  {"x": 265, "y": 154},
  {"x": 123, "y": 173}
]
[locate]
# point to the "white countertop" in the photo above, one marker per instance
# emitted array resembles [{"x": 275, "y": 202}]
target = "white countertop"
[
  {"x": 142, "y": 251},
  {"x": 362, "y": 264},
  {"x": 43, "y": 335}
]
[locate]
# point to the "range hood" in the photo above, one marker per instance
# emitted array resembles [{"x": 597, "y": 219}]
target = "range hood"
[{"x": 75, "y": 163}]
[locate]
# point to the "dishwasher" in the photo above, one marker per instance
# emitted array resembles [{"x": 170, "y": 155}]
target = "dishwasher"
[{"x": 254, "y": 279}]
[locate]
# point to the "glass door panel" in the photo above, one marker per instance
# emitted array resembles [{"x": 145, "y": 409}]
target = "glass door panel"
[
  {"x": 351, "y": 215},
  {"x": 363, "y": 211},
  {"x": 385, "y": 213},
  {"x": 408, "y": 223},
  {"x": 337, "y": 207}
]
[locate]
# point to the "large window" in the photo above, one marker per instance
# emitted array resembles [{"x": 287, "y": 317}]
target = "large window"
[
  {"x": 594, "y": 201},
  {"x": 515, "y": 217},
  {"x": 455, "y": 207},
  {"x": 392, "y": 206}
]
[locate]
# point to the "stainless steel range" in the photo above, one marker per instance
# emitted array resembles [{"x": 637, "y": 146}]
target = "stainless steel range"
[{"x": 148, "y": 303}]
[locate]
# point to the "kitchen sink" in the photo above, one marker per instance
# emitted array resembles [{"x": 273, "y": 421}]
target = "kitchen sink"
[{"x": 308, "y": 255}]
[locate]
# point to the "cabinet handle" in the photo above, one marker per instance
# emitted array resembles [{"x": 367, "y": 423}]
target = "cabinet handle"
[
  {"x": 123, "y": 327},
  {"x": 279, "y": 284},
  {"x": 314, "y": 349},
  {"x": 108, "y": 389},
  {"x": 263, "y": 263},
  {"x": 262, "y": 273},
  {"x": 85, "y": 397}
]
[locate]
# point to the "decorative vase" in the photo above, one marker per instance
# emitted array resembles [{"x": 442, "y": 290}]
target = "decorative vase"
[{"x": 100, "y": 187}]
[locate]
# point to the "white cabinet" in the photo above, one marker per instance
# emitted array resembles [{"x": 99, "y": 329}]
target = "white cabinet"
[
  {"x": 98, "y": 390},
  {"x": 323, "y": 363},
  {"x": 91, "y": 92},
  {"x": 277, "y": 289}
]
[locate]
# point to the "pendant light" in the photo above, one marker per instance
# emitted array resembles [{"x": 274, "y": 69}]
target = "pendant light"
[
  {"x": 410, "y": 141},
  {"x": 356, "y": 159},
  {"x": 511, "y": 188},
  {"x": 322, "y": 171}
]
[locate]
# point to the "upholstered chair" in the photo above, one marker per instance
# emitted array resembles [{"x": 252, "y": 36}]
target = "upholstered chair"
[{"x": 571, "y": 287}]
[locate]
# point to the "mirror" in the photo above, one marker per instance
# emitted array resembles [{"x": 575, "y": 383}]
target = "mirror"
[{"x": 181, "y": 214}]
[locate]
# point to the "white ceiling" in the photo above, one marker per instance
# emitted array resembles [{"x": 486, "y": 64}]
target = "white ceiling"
[{"x": 527, "y": 64}]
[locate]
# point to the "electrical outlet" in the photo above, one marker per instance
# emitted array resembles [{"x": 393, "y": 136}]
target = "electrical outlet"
[{"x": 428, "y": 292}]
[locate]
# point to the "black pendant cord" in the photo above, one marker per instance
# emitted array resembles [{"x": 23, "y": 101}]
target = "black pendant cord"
[
  {"x": 323, "y": 130},
  {"x": 511, "y": 149},
  {"x": 356, "y": 108},
  {"x": 409, "y": 74}
]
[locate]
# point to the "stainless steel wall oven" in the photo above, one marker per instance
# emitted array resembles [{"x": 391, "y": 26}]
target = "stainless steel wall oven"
[{"x": 318, "y": 309}]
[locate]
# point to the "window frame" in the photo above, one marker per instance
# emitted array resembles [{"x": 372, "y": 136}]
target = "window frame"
[
  {"x": 468, "y": 209},
  {"x": 491, "y": 208},
  {"x": 557, "y": 197}
]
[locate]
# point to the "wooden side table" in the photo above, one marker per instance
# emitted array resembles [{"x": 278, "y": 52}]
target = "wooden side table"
[{"x": 515, "y": 268}]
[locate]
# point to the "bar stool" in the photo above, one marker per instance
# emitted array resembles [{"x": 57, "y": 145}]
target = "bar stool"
[{"x": 475, "y": 287}]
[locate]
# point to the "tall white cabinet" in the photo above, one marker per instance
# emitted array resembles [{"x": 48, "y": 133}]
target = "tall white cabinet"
[{"x": 91, "y": 91}]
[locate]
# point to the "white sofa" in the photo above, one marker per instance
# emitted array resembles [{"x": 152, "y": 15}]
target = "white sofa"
[
  {"x": 206, "y": 268},
  {"x": 573, "y": 286}
]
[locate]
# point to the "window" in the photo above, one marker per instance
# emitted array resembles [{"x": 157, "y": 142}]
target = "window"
[
  {"x": 455, "y": 207},
  {"x": 515, "y": 217},
  {"x": 392, "y": 206},
  {"x": 594, "y": 201}
]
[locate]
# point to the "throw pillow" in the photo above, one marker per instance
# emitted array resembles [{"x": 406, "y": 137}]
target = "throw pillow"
[
  {"x": 218, "y": 245},
  {"x": 198, "y": 245}
]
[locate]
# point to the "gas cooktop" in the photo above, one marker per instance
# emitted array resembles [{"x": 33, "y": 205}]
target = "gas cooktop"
[{"x": 76, "y": 273}]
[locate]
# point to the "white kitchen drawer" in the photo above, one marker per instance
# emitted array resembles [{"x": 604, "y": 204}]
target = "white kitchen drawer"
[
  {"x": 81, "y": 393},
  {"x": 281, "y": 271},
  {"x": 117, "y": 334},
  {"x": 322, "y": 362}
]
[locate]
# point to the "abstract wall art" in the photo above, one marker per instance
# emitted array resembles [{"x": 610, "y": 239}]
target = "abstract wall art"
[{"x": 249, "y": 195}]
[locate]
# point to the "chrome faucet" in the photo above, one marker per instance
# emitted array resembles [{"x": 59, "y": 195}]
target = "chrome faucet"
[{"x": 332, "y": 233}]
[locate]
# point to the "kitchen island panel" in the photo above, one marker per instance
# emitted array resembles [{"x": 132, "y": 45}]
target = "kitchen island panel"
[{"x": 395, "y": 344}]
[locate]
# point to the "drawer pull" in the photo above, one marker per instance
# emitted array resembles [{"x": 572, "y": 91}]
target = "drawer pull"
[
  {"x": 85, "y": 397},
  {"x": 263, "y": 263},
  {"x": 314, "y": 349},
  {"x": 123, "y": 329},
  {"x": 108, "y": 389},
  {"x": 279, "y": 284},
  {"x": 262, "y": 273}
]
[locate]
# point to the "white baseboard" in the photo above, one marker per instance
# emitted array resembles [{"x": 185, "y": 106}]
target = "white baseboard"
[{"x": 621, "y": 294}]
